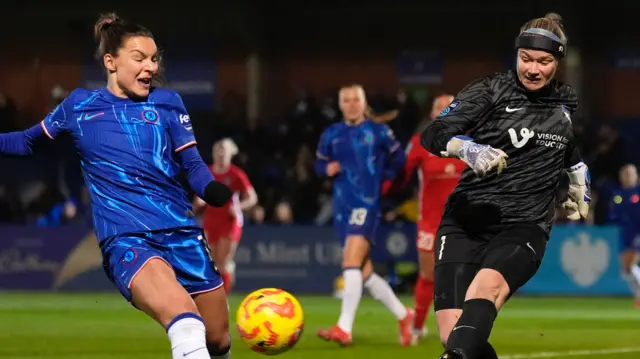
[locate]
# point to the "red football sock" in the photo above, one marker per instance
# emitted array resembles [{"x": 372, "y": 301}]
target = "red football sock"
[
  {"x": 423, "y": 298},
  {"x": 226, "y": 278}
]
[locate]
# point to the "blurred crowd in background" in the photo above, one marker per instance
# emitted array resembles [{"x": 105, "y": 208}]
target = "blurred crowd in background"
[
  {"x": 243, "y": 53},
  {"x": 48, "y": 189}
]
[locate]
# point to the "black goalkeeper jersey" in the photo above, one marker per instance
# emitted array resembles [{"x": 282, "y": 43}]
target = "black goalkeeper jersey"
[{"x": 533, "y": 128}]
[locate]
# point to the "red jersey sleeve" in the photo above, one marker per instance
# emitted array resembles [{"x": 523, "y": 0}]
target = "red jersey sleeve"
[{"x": 241, "y": 182}]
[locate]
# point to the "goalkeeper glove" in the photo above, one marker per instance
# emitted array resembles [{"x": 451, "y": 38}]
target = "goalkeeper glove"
[
  {"x": 481, "y": 158},
  {"x": 577, "y": 203}
]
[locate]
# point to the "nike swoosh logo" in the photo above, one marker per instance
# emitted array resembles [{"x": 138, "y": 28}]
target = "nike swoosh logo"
[
  {"x": 193, "y": 351},
  {"x": 90, "y": 117},
  {"x": 533, "y": 250},
  {"x": 513, "y": 109},
  {"x": 462, "y": 326}
]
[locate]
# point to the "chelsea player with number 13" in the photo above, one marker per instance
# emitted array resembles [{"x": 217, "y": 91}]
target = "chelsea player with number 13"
[
  {"x": 134, "y": 141},
  {"x": 360, "y": 154}
]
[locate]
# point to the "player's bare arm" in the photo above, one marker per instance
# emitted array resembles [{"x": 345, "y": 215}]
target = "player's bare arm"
[{"x": 248, "y": 199}]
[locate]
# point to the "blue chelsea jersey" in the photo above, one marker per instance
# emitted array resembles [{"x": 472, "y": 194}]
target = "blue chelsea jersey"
[
  {"x": 368, "y": 153},
  {"x": 127, "y": 151}
]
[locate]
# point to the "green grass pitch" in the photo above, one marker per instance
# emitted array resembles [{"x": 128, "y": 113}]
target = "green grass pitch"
[{"x": 104, "y": 326}]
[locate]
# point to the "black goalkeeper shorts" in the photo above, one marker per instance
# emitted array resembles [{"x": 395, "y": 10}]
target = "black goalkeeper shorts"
[{"x": 513, "y": 250}]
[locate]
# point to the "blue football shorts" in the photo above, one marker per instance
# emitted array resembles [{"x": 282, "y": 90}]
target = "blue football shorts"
[
  {"x": 629, "y": 239},
  {"x": 361, "y": 221},
  {"x": 183, "y": 249}
]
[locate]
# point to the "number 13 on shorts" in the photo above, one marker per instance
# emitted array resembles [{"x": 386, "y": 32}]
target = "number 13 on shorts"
[{"x": 358, "y": 217}]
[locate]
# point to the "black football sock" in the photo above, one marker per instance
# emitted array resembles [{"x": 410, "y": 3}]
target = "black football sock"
[
  {"x": 473, "y": 328},
  {"x": 488, "y": 352}
]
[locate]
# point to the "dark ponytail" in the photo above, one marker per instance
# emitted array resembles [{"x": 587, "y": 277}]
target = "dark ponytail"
[
  {"x": 102, "y": 34},
  {"x": 110, "y": 33}
]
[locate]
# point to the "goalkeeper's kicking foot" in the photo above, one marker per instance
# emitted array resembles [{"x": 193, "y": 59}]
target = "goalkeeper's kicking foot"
[
  {"x": 453, "y": 354},
  {"x": 336, "y": 335}
]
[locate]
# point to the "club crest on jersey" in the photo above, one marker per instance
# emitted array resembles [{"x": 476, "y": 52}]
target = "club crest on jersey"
[
  {"x": 130, "y": 256},
  {"x": 150, "y": 116},
  {"x": 452, "y": 106},
  {"x": 368, "y": 138}
]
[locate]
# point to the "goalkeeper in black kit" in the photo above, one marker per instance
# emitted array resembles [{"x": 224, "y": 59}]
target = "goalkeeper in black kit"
[{"x": 514, "y": 131}]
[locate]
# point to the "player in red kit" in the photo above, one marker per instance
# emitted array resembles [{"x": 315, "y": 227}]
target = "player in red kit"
[
  {"x": 223, "y": 225},
  {"x": 438, "y": 177}
]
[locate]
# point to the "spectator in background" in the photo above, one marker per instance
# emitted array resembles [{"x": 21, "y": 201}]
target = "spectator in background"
[
  {"x": 303, "y": 105},
  {"x": 408, "y": 116},
  {"x": 608, "y": 156},
  {"x": 273, "y": 183},
  {"x": 30, "y": 194},
  {"x": 60, "y": 214},
  {"x": 257, "y": 215},
  {"x": 325, "y": 203},
  {"x": 303, "y": 184},
  {"x": 47, "y": 205},
  {"x": 305, "y": 117},
  {"x": 283, "y": 213},
  {"x": 65, "y": 159},
  {"x": 58, "y": 94},
  {"x": 404, "y": 117},
  {"x": 329, "y": 110},
  {"x": 10, "y": 206},
  {"x": 232, "y": 108},
  {"x": 8, "y": 114}
]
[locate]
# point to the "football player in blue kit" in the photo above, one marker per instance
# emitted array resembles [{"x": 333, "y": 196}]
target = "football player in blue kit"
[
  {"x": 624, "y": 211},
  {"x": 134, "y": 141},
  {"x": 360, "y": 154}
]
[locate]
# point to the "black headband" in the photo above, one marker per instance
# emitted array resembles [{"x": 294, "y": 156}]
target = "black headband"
[{"x": 541, "y": 39}]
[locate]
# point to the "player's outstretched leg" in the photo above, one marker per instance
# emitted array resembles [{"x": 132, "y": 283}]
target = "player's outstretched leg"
[
  {"x": 381, "y": 290},
  {"x": 199, "y": 276},
  {"x": 423, "y": 294},
  {"x": 155, "y": 291},
  {"x": 469, "y": 337},
  {"x": 214, "y": 309},
  {"x": 505, "y": 268},
  {"x": 355, "y": 251},
  {"x": 451, "y": 283}
]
